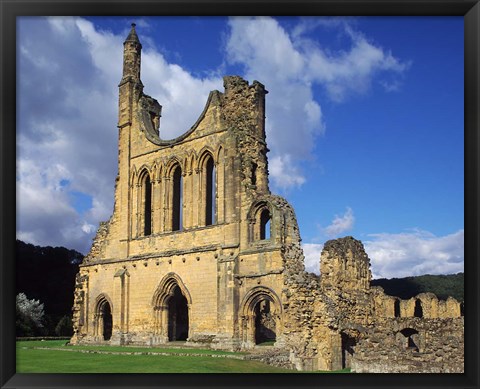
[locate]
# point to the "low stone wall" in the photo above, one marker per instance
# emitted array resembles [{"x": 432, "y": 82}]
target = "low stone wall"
[{"x": 272, "y": 356}]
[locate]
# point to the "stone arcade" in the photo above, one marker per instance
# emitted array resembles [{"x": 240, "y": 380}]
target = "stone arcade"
[{"x": 198, "y": 249}]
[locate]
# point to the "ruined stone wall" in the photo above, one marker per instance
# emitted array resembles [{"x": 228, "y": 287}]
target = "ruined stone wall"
[
  {"x": 435, "y": 346},
  {"x": 338, "y": 321},
  {"x": 99, "y": 242},
  {"x": 243, "y": 111},
  {"x": 375, "y": 332},
  {"x": 344, "y": 265},
  {"x": 424, "y": 305}
]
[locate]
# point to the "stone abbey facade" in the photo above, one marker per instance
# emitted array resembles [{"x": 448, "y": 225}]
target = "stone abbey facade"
[{"x": 199, "y": 250}]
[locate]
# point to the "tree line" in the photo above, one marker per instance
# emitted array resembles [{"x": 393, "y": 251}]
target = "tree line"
[
  {"x": 441, "y": 285},
  {"x": 45, "y": 281}
]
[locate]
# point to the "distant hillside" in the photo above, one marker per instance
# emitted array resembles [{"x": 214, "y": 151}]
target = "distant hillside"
[
  {"x": 47, "y": 274},
  {"x": 441, "y": 285}
]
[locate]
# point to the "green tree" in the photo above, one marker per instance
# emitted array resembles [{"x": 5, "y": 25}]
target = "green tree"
[
  {"x": 29, "y": 316},
  {"x": 441, "y": 285},
  {"x": 64, "y": 326}
]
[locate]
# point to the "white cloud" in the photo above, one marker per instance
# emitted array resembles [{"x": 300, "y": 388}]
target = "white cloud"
[
  {"x": 340, "y": 224},
  {"x": 88, "y": 228},
  {"x": 309, "y": 24},
  {"x": 45, "y": 208},
  {"x": 415, "y": 253},
  {"x": 290, "y": 65},
  {"x": 181, "y": 94},
  {"x": 350, "y": 72},
  {"x": 285, "y": 174},
  {"x": 312, "y": 253},
  {"x": 65, "y": 133},
  {"x": 66, "y": 128}
]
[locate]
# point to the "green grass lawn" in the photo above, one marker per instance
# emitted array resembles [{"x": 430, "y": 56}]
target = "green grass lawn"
[
  {"x": 124, "y": 349},
  {"x": 51, "y": 359}
]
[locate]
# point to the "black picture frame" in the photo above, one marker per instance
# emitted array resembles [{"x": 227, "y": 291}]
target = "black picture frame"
[{"x": 10, "y": 10}]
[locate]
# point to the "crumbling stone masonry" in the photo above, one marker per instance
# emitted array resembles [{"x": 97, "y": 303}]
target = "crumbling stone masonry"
[
  {"x": 198, "y": 249},
  {"x": 340, "y": 321}
]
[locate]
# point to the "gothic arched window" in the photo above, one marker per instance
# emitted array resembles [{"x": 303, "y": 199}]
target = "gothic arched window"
[
  {"x": 396, "y": 308},
  {"x": 418, "y": 311},
  {"x": 145, "y": 208},
  {"x": 265, "y": 224},
  {"x": 177, "y": 199},
  {"x": 210, "y": 192}
]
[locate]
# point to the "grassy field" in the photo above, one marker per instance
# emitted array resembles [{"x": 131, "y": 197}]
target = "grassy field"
[{"x": 55, "y": 357}]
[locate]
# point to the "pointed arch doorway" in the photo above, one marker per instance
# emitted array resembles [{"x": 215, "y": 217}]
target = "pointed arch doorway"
[
  {"x": 103, "y": 318},
  {"x": 177, "y": 316},
  {"x": 171, "y": 307},
  {"x": 261, "y": 316}
]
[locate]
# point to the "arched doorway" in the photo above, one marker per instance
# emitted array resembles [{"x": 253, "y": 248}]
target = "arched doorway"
[
  {"x": 177, "y": 316},
  {"x": 107, "y": 321},
  {"x": 418, "y": 311},
  {"x": 171, "y": 304},
  {"x": 103, "y": 318},
  {"x": 265, "y": 326},
  {"x": 261, "y": 317}
]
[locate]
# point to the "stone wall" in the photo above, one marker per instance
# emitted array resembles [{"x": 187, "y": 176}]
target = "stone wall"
[
  {"x": 411, "y": 346},
  {"x": 424, "y": 305},
  {"x": 344, "y": 265},
  {"x": 337, "y": 320}
]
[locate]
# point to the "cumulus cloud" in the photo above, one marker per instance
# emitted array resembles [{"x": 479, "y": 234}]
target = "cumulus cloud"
[
  {"x": 67, "y": 110},
  {"x": 65, "y": 133},
  {"x": 285, "y": 172},
  {"x": 351, "y": 72},
  {"x": 88, "y": 228},
  {"x": 66, "y": 127},
  {"x": 312, "y": 253},
  {"x": 290, "y": 65},
  {"x": 415, "y": 253},
  {"x": 340, "y": 224}
]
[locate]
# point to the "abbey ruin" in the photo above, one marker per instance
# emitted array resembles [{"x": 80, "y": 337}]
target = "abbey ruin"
[{"x": 199, "y": 250}]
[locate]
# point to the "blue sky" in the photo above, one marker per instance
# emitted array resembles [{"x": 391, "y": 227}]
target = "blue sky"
[{"x": 364, "y": 123}]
